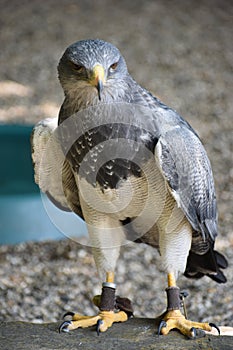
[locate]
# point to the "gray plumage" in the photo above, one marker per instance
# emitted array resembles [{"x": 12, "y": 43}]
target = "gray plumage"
[{"x": 180, "y": 174}]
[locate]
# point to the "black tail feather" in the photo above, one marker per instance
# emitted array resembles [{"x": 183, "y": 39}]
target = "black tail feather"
[
  {"x": 208, "y": 264},
  {"x": 221, "y": 260}
]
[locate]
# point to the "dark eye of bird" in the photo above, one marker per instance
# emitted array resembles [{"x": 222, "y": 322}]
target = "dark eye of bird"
[
  {"x": 114, "y": 66},
  {"x": 78, "y": 67}
]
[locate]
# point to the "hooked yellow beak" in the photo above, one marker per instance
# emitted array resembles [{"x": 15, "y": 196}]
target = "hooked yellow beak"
[{"x": 98, "y": 78}]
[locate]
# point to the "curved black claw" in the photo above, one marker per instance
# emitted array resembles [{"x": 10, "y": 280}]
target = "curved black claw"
[
  {"x": 193, "y": 332},
  {"x": 64, "y": 326},
  {"x": 197, "y": 333},
  {"x": 98, "y": 324},
  {"x": 161, "y": 325},
  {"x": 69, "y": 313},
  {"x": 216, "y": 327}
]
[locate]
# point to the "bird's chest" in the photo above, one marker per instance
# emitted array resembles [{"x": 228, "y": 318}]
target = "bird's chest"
[
  {"x": 137, "y": 202},
  {"x": 111, "y": 153}
]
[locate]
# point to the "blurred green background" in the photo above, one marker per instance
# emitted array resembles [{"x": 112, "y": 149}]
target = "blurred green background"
[{"x": 23, "y": 214}]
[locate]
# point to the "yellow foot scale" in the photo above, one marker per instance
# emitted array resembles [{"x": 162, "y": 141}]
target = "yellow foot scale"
[
  {"x": 174, "y": 319},
  {"x": 112, "y": 309},
  {"x": 103, "y": 321}
]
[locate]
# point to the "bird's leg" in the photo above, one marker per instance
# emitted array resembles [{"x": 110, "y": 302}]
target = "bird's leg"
[
  {"x": 173, "y": 318},
  {"x": 106, "y": 316},
  {"x": 107, "y": 305}
]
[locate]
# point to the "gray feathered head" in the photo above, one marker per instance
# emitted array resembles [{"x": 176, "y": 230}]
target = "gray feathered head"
[{"x": 93, "y": 63}]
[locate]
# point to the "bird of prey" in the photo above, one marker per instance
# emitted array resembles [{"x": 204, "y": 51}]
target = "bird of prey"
[{"x": 132, "y": 168}]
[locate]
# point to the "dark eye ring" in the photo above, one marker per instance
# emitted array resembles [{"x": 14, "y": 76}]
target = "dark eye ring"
[
  {"x": 114, "y": 66},
  {"x": 78, "y": 67}
]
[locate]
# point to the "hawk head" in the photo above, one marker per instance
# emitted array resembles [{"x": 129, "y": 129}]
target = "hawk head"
[{"x": 92, "y": 69}]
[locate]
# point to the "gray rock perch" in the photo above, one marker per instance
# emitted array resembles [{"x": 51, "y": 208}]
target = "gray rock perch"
[{"x": 137, "y": 333}]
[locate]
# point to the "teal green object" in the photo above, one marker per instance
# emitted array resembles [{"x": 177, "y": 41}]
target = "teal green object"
[
  {"x": 16, "y": 175},
  {"x": 22, "y": 213}
]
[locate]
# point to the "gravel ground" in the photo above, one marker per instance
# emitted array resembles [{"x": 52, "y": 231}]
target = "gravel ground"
[
  {"x": 41, "y": 281},
  {"x": 182, "y": 51}
]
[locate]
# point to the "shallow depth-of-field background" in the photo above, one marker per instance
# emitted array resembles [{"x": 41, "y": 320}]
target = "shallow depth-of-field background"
[{"x": 180, "y": 50}]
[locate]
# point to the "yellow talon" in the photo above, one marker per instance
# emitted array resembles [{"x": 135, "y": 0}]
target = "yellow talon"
[
  {"x": 107, "y": 318},
  {"x": 175, "y": 320}
]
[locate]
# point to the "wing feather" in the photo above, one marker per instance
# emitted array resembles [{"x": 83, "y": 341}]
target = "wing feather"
[
  {"x": 187, "y": 169},
  {"x": 53, "y": 173}
]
